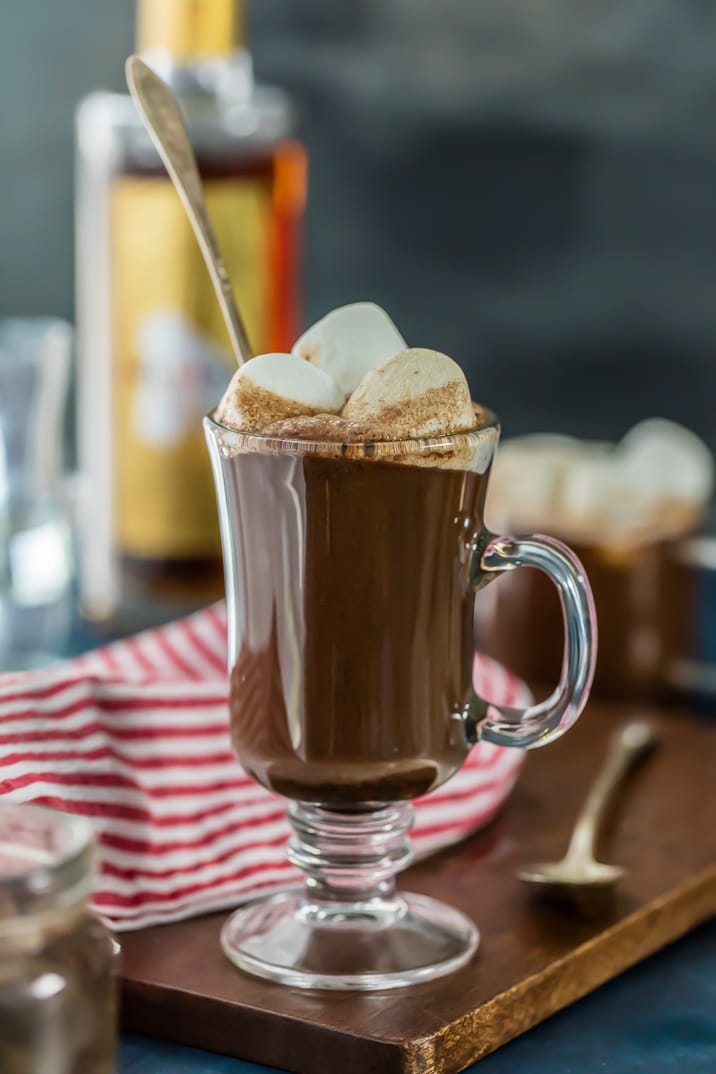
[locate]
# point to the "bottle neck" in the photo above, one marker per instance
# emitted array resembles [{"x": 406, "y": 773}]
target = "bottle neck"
[
  {"x": 190, "y": 31},
  {"x": 197, "y": 47}
]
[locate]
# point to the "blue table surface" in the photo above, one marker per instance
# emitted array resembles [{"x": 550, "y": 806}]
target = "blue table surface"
[{"x": 658, "y": 1018}]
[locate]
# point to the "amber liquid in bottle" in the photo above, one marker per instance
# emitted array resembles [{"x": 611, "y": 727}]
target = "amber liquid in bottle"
[
  {"x": 281, "y": 174},
  {"x": 153, "y": 354}
]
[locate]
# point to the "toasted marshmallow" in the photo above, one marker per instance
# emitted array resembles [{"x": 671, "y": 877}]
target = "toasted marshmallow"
[
  {"x": 272, "y": 387},
  {"x": 529, "y": 471},
  {"x": 666, "y": 461},
  {"x": 415, "y": 394},
  {"x": 350, "y": 341},
  {"x": 652, "y": 485}
]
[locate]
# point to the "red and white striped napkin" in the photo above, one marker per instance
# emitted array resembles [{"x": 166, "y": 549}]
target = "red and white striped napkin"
[{"x": 134, "y": 736}]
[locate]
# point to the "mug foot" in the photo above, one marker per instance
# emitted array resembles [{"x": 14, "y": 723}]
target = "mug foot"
[{"x": 380, "y": 943}]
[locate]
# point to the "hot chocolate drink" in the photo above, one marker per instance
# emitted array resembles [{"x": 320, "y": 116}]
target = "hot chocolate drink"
[{"x": 352, "y": 653}]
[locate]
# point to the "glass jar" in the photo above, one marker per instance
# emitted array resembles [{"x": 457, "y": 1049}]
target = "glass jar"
[{"x": 57, "y": 979}]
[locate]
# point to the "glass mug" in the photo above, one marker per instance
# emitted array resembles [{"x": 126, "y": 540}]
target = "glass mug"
[{"x": 351, "y": 572}]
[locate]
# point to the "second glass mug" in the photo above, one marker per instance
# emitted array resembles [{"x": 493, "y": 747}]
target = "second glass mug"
[{"x": 351, "y": 573}]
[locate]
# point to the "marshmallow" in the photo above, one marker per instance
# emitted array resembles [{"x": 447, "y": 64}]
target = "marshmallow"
[
  {"x": 417, "y": 393},
  {"x": 653, "y": 484},
  {"x": 665, "y": 461},
  {"x": 271, "y": 387},
  {"x": 350, "y": 341},
  {"x": 528, "y": 471},
  {"x": 597, "y": 495}
]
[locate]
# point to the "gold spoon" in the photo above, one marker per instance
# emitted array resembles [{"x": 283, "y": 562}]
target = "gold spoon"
[
  {"x": 579, "y": 871},
  {"x": 159, "y": 109}
]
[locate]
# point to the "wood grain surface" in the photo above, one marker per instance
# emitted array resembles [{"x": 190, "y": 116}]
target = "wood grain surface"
[{"x": 534, "y": 958}]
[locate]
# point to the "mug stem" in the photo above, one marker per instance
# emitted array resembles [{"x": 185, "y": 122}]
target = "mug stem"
[{"x": 350, "y": 858}]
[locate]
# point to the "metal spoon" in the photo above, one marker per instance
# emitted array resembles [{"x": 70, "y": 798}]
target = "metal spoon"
[
  {"x": 579, "y": 870},
  {"x": 159, "y": 109}
]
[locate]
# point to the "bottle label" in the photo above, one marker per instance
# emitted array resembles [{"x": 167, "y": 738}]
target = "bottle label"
[{"x": 172, "y": 355}]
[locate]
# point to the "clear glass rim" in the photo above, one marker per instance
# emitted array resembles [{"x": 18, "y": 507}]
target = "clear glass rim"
[
  {"x": 59, "y": 877},
  {"x": 488, "y": 427}
]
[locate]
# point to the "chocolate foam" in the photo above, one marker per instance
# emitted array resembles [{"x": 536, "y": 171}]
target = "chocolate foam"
[
  {"x": 472, "y": 449},
  {"x": 331, "y": 428}
]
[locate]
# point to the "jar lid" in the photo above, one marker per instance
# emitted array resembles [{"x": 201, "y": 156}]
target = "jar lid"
[{"x": 46, "y": 861}]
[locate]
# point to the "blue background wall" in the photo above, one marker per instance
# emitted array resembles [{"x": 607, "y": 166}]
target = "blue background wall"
[{"x": 531, "y": 187}]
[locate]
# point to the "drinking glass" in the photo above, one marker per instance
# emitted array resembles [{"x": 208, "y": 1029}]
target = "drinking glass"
[
  {"x": 351, "y": 572},
  {"x": 36, "y": 555}
]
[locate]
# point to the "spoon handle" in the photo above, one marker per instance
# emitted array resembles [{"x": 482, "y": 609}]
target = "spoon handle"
[
  {"x": 626, "y": 745},
  {"x": 159, "y": 109}
]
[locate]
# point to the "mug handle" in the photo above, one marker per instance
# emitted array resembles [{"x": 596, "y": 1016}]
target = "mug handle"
[{"x": 542, "y": 723}]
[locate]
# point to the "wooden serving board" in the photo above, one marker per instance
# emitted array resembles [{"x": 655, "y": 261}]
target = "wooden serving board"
[{"x": 534, "y": 958}]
